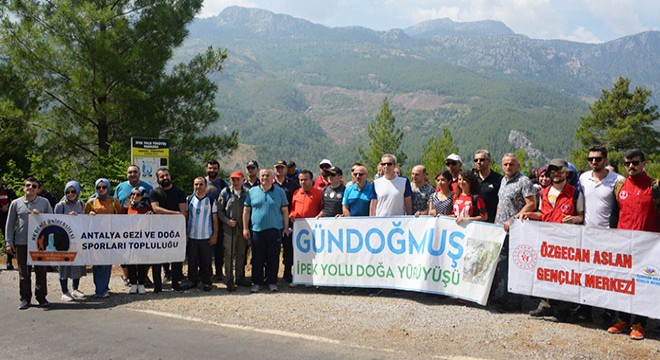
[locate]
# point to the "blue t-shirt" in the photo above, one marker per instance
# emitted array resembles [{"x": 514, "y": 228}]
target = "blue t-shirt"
[
  {"x": 266, "y": 207},
  {"x": 123, "y": 191},
  {"x": 358, "y": 201}
]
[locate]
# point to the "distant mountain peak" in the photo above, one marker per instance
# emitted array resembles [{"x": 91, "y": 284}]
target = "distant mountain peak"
[
  {"x": 446, "y": 26},
  {"x": 265, "y": 22}
]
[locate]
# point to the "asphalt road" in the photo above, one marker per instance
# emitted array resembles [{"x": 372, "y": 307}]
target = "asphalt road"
[{"x": 91, "y": 330}]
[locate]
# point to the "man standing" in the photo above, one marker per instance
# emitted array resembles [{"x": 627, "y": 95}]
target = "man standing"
[
  {"x": 560, "y": 203},
  {"x": 231, "y": 214},
  {"x": 421, "y": 190},
  {"x": 321, "y": 181},
  {"x": 252, "y": 180},
  {"x": 333, "y": 194},
  {"x": 16, "y": 239},
  {"x": 123, "y": 190},
  {"x": 454, "y": 165},
  {"x": 289, "y": 188},
  {"x": 489, "y": 182},
  {"x": 7, "y": 195},
  {"x": 202, "y": 231},
  {"x": 517, "y": 196},
  {"x": 357, "y": 196},
  {"x": 392, "y": 193},
  {"x": 292, "y": 171},
  {"x": 267, "y": 212},
  {"x": 638, "y": 200},
  {"x": 168, "y": 199},
  {"x": 214, "y": 186},
  {"x": 307, "y": 203}
]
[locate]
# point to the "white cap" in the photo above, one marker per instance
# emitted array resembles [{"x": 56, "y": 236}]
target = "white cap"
[
  {"x": 325, "y": 161},
  {"x": 454, "y": 157}
]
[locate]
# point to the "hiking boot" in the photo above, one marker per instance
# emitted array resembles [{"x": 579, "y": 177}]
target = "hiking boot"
[
  {"x": 619, "y": 327},
  {"x": 637, "y": 332}
]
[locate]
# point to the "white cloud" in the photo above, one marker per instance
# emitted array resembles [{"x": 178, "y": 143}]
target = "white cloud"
[{"x": 582, "y": 35}]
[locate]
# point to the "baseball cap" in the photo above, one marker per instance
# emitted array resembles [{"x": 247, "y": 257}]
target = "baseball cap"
[
  {"x": 454, "y": 157},
  {"x": 252, "y": 163},
  {"x": 560, "y": 164},
  {"x": 325, "y": 161},
  {"x": 280, "y": 163},
  {"x": 236, "y": 175}
]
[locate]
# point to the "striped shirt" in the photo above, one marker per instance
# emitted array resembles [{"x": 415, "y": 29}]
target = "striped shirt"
[{"x": 200, "y": 217}]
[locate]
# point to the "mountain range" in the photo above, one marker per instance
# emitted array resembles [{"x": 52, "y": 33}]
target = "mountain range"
[{"x": 302, "y": 91}]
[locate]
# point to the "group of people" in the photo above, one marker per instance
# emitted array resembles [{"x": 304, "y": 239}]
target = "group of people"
[{"x": 258, "y": 208}]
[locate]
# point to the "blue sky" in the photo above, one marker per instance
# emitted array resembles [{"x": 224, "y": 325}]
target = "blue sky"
[{"x": 590, "y": 21}]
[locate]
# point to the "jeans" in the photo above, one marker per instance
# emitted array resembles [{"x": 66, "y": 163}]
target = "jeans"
[{"x": 101, "y": 278}]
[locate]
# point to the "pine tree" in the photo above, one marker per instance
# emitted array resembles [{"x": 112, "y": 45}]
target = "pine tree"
[
  {"x": 384, "y": 138},
  {"x": 436, "y": 150}
]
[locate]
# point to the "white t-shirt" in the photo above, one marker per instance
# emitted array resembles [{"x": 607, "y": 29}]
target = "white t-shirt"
[
  {"x": 598, "y": 198},
  {"x": 390, "y": 195}
]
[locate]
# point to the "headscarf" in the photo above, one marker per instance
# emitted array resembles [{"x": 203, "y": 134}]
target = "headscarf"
[
  {"x": 144, "y": 201},
  {"x": 75, "y": 185},
  {"x": 540, "y": 171},
  {"x": 96, "y": 184}
]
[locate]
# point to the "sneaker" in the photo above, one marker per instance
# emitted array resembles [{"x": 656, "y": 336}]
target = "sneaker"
[
  {"x": 541, "y": 311},
  {"x": 158, "y": 289},
  {"x": 133, "y": 289},
  {"x": 207, "y": 287},
  {"x": 619, "y": 327},
  {"x": 43, "y": 303},
  {"x": 637, "y": 332},
  {"x": 66, "y": 297},
  {"x": 141, "y": 289},
  {"x": 24, "y": 305},
  {"x": 255, "y": 288},
  {"x": 77, "y": 295},
  {"x": 272, "y": 288},
  {"x": 105, "y": 295}
]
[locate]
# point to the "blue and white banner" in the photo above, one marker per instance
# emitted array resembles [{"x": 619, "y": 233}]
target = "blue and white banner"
[
  {"x": 608, "y": 268},
  {"x": 55, "y": 239},
  {"x": 426, "y": 254}
]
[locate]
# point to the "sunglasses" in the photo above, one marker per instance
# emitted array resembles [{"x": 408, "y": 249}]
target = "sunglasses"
[
  {"x": 136, "y": 194},
  {"x": 480, "y": 160},
  {"x": 451, "y": 163},
  {"x": 325, "y": 166},
  {"x": 633, "y": 163},
  {"x": 133, "y": 172},
  {"x": 70, "y": 192},
  {"x": 358, "y": 174},
  {"x": 34, "y": 186},
  {"x": 386, "y": 164},
  {"x": 595, "y": 158},
  {"x": 102, "y": 187}
]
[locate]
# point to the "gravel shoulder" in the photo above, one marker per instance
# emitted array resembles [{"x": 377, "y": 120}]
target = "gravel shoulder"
[{"x": 406, "y": 324}]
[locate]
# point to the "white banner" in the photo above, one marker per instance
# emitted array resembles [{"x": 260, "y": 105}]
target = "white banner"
[
  {"x": 55, "y": 239},
  {"x": 607, "y": 268},
  {"x": 425, "y": 254}
]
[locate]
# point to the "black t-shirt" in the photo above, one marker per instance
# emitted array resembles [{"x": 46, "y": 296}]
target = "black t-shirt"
[
  {"x": 289, "y": 188},
  {"x": 490, "y": 186},
  {"x": 332, "y": 200},
  {"x": 168, "y": 199}
]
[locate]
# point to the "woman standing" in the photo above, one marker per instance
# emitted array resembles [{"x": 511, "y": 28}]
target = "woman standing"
[
  {"x": 138, "y": 204},
  {"x": 441, "y": 202},
  {"x": 72, "y": 205},
  {"x": 102, "y": 203},
  {"x": 468, "y": 204}
]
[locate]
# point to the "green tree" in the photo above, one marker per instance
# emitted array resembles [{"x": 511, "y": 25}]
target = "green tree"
[
  {"x": 436, "y": 150},
  {"x": 102, "y": 73},
  {"x": 384, "y": 138},
  {"x": 620, "y": 120},
  {"x": 525, "y": 162}
]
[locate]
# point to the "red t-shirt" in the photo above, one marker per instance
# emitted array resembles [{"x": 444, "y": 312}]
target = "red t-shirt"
[
  {"x": 306, "y": 204},
  {"x": 463, "y": 206}
]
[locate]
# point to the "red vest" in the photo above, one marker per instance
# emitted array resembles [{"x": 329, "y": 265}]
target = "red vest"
[
  {"x": 564, "y": 206},
  {"x": 637, "y": 210}
]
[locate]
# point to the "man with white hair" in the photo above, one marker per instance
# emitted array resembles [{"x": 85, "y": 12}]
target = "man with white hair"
[{"x": 392, "y": 193}]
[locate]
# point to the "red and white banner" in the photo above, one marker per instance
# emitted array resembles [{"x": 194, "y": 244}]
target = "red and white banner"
[{"x": 607, "y": 268}]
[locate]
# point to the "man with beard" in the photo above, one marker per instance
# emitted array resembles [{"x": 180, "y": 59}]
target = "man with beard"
[
  {"x": 214, "y": 186},
  {"x": 168, "y": 199}
]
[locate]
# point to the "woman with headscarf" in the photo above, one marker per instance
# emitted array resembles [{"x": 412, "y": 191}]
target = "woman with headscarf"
[
  {"x": 72, "y": 205},
  {"x": 102, "y": 203},
  {"x": 138, "y": 204}
]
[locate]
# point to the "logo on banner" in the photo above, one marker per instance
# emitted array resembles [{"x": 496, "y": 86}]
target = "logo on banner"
[
  {"x": 649, "y": 275},
  {"x": 53, "y": 238},
  {"x": 525, "y": 257}
]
